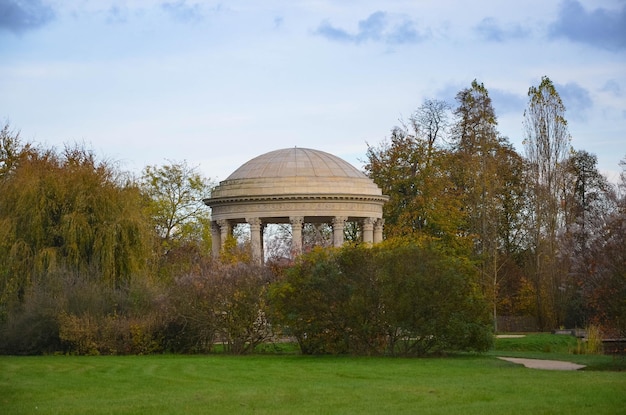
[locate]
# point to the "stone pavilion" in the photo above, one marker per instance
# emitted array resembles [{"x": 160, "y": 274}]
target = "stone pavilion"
[{"x": 295, "y": 186}]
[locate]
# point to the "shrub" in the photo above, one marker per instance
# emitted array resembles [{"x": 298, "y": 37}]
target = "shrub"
[
  {"x": 83, "y": 315},
  {"x": 241, "y": 306},
  {"x": 310, "y": 303},
  {"x": 31, "y": 327},
  {"x": 432, "y": 301},
  {"x": 192, "y": 323},
  {"x": 592, "y": 344},
  {"x": 224, "y": 302},
  {"x": 401, "y": 298}
]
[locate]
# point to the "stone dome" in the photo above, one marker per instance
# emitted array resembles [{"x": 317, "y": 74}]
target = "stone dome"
[
  {"x": 295, "y": 171},
  {"x": 295, "y": 186}
]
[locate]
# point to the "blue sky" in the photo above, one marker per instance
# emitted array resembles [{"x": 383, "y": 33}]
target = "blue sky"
[{"x": 217, "y": 83}]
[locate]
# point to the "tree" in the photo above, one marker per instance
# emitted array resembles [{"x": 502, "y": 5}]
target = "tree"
[
  {"x": 586, "y": 197},
  {"x": 414, "y": 170},
  {"x": 546, "y": 143},
  {"x": 73, "y": 244},
  {"x": 430, "y": 121},
  {"x": 602, "y": 272},
  {"x": 69, "y": 210},
  {"x": 482, "y": 172},
  {"x": 174, "y": 194},
  {"x": 11, "y": 150},
  {"x": 588, "y": 201}
]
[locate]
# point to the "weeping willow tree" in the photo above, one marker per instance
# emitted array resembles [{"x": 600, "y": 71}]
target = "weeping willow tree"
[{"x": 66, "y": 212}]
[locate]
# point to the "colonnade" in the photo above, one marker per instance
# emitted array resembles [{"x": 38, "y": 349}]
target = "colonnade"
[{"x": 371, "y": 231}]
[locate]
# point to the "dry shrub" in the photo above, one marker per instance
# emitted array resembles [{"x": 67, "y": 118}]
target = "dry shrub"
[
  {"x": 79, "y": 333},
  {"x": 31, "y": 327},
  {"x": 593, "y": 344},
  {"x": 191, "y": 324},
  {"x": 114, "y": 334},
  {"x": 222, "y": 303}
]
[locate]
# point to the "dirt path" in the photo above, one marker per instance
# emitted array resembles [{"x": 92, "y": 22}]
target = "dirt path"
[{"x": 543, "y": 364}]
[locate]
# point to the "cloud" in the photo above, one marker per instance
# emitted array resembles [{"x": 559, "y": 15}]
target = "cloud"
[
  {"x": 602, "y": 28},
  {"x": 377, "y": 27},
  {"x": 278, "y": 22},
  {"x": 182, "y": 11},
  {"x": 19, "y": 16},
  {"x": 576, "y": 99},
  {"x": 612, "y": 86},
  {"x": 505, "y": 102},
  {"x": 116, "y": 15},
  {"x": 490, "y": 30},
  {"x": 332, "y": 33}
]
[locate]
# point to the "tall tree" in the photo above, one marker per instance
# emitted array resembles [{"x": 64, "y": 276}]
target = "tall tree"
[
  {"x": 604, "y": 288},
  {"x": 475, "y": 137},
  {"x": 546, "y": 144},
  {"x": 586, "y": 198},
  {"x": 68, "y": 213},
  {"x": 588, "y": 201},
  {"x": 491, "y": 194}
]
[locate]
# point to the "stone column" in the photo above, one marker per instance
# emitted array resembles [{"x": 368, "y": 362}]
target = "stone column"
[
  {"x": 255, "y": 239},
  {"x": 216, "y": 240},
  {"x": 368, "y": 230},
  {"x": 339, "y": 222},
  {"x": 263, "y": 226},
  {"x": 225, "y": 231},
  {"x": 378, "y": 230},
  {"x": 296, "y": 234}
]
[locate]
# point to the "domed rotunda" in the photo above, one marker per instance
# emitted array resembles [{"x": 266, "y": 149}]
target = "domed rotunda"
[{"x": 296, "y": 186}]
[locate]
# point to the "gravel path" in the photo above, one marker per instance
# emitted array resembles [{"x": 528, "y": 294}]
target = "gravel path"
[{"x": 543, "y": 364}]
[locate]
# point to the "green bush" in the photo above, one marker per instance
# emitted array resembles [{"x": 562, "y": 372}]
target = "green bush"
[
  {"x": 400, "y": 298},
  {"x": 432, "y": 300}
]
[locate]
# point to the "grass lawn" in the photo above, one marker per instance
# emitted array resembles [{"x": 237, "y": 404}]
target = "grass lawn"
[{"x": 284, "y": 384}]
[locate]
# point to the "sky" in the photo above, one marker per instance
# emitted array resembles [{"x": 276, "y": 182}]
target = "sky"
[{"x": 214, "y": 84}]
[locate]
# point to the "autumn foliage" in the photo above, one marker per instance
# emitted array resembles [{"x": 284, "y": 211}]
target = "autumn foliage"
[{"x": 96, "y": 261}]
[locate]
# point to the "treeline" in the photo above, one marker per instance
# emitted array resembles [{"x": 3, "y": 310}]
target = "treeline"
[
  {"x": 83, "y": 246},
  {"x": 545, "y": 229},
  {"x": 95, "y": 260}
]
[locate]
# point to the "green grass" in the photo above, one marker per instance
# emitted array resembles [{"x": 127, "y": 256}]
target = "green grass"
[
  {"x": 288, "y": 384},
  {"x": 539, "y": 342},
  {"x": 556, "y": 347}
]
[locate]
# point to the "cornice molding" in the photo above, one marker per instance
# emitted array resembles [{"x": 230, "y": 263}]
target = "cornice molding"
[{"x": 294, "y": 197}]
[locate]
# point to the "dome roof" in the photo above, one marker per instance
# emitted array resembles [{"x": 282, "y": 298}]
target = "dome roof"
[
  {"x": 292, "y": 162},
  {"x": 295, "y": 171}
]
